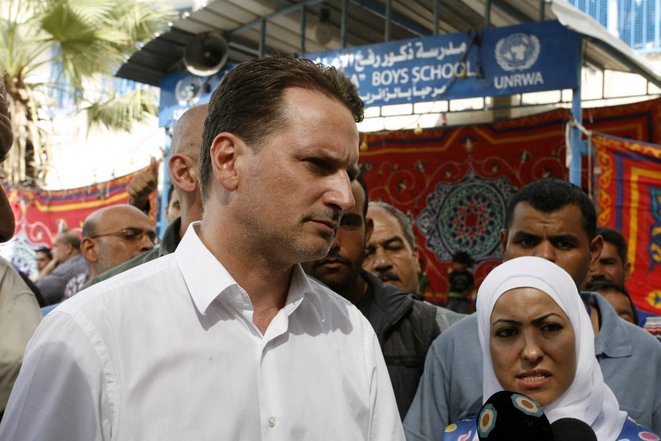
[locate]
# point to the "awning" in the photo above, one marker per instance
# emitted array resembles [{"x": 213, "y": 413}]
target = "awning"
[{"x": 256, "y": 27}]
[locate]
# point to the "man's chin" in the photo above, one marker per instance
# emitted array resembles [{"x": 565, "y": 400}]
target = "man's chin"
[
  {"x": 334, "y": 279},
  {"x": 339, "y": 286},
  {"x": 598, "y": 279},
  {"x": 396, "y": 282}
]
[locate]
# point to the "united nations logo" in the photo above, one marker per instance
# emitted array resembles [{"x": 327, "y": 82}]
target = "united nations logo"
[
  {"x": 517, "y": 51},
  {"x": 188, "y": 90}
]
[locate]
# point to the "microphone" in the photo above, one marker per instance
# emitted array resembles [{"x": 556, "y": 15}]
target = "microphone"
[
  {"x": 571, "y": 429},
  {"x": 508, "y": 416}
]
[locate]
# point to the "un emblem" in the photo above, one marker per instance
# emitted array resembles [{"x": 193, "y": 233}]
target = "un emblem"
[
  {"x": 188, "y": 90},
  {"x": 517, "y": 51}
]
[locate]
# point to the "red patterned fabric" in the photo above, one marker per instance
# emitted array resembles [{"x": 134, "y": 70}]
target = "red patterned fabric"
[
  {"x": 629, "y": 201},
  {"x": 414, "y": 172},
  {"x": 40, "y": 215},
  {"x": 410, "y": 171}
]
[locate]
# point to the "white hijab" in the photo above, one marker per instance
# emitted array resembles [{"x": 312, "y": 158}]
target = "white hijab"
[{"x": 588, "y": 398}]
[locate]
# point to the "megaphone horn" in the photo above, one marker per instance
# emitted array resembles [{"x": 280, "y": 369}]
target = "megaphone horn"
[{"x": 206, "y": 54}]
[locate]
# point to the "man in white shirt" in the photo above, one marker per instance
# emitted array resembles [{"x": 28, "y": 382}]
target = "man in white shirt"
[
  {"x": 19, "y": 309},
  {"x": 226, "y": 338}
]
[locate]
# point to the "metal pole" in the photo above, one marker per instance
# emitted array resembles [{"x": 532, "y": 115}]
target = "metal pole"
[
  {"x": 345, "y": 21},
  {"x": 304, "y": 19},
  {"x": 388, "y": 19},
  {"x": 163, "y": 197},
  {"x": 262, "y": 39},
  {"x": 577, "y": 145},
  {"x": 487, "y": 14}
]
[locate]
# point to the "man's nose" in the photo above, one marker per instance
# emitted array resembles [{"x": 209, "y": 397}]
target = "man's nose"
[
  {"x": 146, "y": 243},
  {"x": 381, "y": 261},
  {"x": 339, "y": 194},
  {"x": 545, "y": 250}
]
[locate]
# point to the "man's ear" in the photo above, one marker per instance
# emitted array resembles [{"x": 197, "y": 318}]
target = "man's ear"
[
  {"x": 504, "y": 235},
  {"x": 183, "y": 173},
  {"x": 596, "y": 245},
  {"x": 627, "y": 270},
  {"x": 89, "y": 249},
  {"x": 369, "y": 229},
  {"x": 223, "y": 152},
  {"x": 416, "y": 256}
]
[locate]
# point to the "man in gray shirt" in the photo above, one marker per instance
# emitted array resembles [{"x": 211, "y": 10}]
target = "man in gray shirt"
[{"x": 67, "y": 263}]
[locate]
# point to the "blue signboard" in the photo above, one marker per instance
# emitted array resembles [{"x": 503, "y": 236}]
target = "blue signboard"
[
  {"x": 496, "y": 61},
  {"x": 182, "y": 90}
]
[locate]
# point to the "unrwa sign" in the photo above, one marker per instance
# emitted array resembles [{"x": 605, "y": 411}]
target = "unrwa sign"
[{"x": 499, "y": 61}]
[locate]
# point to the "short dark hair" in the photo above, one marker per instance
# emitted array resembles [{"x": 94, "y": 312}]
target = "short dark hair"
[
  {"x": 611, "y": 236},
  {"x": 363, "y": 185},
  {"x": 248, "y": 101},
  {"x": 170, "y": 190},
  {"x": 551, "y": 194},
  {"x": 403, "y": 220},
  {"x": 70, "y": 237},
  {"x": 463, "y": 258},
  {"x": 606, "y": 285},
  {"x": 44, "y": 249}
]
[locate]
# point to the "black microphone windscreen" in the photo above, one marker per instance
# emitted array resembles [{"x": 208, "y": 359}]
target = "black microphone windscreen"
[
  {"x": 566, "y": 429},
  {"x": 510, "y": 416}
]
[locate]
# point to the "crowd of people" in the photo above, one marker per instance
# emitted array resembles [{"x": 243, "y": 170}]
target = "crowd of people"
[{"x": 281, "y": 303}]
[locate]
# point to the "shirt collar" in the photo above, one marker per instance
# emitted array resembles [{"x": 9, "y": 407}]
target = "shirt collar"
[
  {"x": 206, "y": 278},
  {"x": 613, "y": 339},
  {"x": 299, "y": 286}
]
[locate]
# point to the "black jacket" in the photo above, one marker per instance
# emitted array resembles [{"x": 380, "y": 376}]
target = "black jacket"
[{"x": 405, "y": 326}]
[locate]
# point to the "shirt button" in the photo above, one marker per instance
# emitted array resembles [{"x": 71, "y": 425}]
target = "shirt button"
[{"x": 272, "y": 422}]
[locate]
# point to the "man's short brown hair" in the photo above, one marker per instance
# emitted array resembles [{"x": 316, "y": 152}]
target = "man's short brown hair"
[{"x": 248, "y": 101}]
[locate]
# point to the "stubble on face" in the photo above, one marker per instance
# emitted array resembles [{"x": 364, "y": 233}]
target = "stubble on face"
[
  {"x": 558, "y": 236},
  {"x": 286, "y": 213}
]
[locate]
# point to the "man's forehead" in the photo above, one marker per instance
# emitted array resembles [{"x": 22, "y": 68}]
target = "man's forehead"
[
  {"x": 384, "y": 220},
  {"x": 569, "y": 218},
  {"x": 390, "y": 239},
  {"x": 609, "y": 250}
]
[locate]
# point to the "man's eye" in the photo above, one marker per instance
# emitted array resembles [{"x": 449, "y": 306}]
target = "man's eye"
[
  {"x": 527, "y": 242},
  {"x": 319, "y": 165},
  {"x": 564, "y": 245},
  {"x": 130, "y": 233},
  {"x": 351, "y": 222}
]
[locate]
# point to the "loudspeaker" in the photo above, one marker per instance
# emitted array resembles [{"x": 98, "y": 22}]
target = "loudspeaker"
[{"x": 206, "y": 54}]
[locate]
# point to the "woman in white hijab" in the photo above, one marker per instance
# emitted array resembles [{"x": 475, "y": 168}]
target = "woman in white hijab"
[{"x": 537, "y": 340}]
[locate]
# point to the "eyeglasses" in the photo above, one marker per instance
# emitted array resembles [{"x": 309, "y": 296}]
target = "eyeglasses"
[{"x": 130, "y": 234}]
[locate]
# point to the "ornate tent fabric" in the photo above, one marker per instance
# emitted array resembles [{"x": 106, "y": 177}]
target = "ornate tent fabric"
[
  {"x": 41, "y": 215},
  {"x": 454, "y": 182},
  {"x": 629, "y": 201}
]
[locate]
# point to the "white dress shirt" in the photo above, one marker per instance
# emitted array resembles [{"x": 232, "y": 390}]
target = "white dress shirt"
[{"x": 168, "y": 351}]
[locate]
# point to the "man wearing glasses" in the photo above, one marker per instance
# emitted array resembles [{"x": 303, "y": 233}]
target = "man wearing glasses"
[{"x": 111, "y": 236}]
